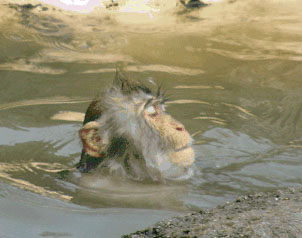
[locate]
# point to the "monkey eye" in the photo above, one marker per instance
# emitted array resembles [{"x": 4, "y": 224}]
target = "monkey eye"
[{"x": 151, "y": 110}]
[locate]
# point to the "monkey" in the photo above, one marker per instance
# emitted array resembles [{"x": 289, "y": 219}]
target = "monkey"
[{"x": 127, "y": 132}]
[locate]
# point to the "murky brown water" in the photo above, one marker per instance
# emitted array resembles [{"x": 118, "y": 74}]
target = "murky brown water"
[{"x": 234, "y": 73}]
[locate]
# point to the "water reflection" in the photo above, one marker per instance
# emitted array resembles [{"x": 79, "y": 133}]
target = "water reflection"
[
  {"x": 151, "y": 68},
  {"x": 26, "y": 185},
  {"x": 110, "y": 192},
  {"x": 42, "y": 101},
  {"x": 22, "y": 65}
]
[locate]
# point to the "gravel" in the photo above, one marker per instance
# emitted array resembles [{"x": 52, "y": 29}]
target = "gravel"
[{"x": 271, "y": 214}]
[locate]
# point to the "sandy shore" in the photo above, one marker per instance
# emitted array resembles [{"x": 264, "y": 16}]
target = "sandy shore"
[{"x": 272, "y": 214}]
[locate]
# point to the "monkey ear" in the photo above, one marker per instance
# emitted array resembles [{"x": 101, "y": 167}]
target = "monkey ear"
[{"x": 91, "y": 139}]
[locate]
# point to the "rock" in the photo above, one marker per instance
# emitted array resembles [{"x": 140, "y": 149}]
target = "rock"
[
  {"x": 27, "y": 7},
  {"x": 272, "y": 214},
  {"x": 193, "y": 3}
]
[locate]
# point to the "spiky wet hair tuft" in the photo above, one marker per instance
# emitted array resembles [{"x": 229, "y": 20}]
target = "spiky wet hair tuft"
[{"x": 129, "y": 86}]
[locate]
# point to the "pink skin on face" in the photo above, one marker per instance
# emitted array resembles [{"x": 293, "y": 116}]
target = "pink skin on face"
[{"x": 158, "y": 111}]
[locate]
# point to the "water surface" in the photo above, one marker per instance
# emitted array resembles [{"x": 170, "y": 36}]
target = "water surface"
[{"x": 233, "y": 70}]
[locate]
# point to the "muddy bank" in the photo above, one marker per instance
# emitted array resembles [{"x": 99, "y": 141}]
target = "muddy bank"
[{"x": 272, "y": 214}]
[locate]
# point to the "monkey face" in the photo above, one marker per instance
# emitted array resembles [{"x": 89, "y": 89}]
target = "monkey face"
[
  {"x": 132, "y": 123},
  {"x": 172, "y": 133}
]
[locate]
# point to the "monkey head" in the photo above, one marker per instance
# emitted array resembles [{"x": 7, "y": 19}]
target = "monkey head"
[{"x": 128, "y": 125}]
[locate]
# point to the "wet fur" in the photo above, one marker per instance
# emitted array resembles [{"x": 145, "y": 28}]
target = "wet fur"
[{"x": 132, "y": 144}]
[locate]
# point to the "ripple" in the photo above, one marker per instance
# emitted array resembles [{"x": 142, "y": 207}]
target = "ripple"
[
  {"x": 33, "y": 188},
  {"x": 48, "y": 167},
  {"x": 152, "y": 68},
  {"x": 186, "y": 101},
  {"x": 266, "y": 51},
  {"x": 213, "y": 119},
  {"x": 69, "y": 116},
  {"x": 44, "y": 24},
  {"x": 26, "y": 66},
  {"x": 241, "y": 109},
  {"x": 55, "y": 55},
  {"x": 166, "y": 69},
  {"x": 16, "y": 36},
  {"x": 122, "y": 193},
  {"x": 5, "y": 168},
  {"x": 43, "y": 101},
  {"x": 198, "y": 87}
]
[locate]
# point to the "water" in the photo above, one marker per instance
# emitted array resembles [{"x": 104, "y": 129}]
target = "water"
[{"x": 233, "y": 71}]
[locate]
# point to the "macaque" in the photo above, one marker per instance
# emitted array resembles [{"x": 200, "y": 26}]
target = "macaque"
[{"x": 126, "y": 132}]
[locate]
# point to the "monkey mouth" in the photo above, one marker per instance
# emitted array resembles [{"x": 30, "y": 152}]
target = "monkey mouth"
[{"x": 182, "y": 148}]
